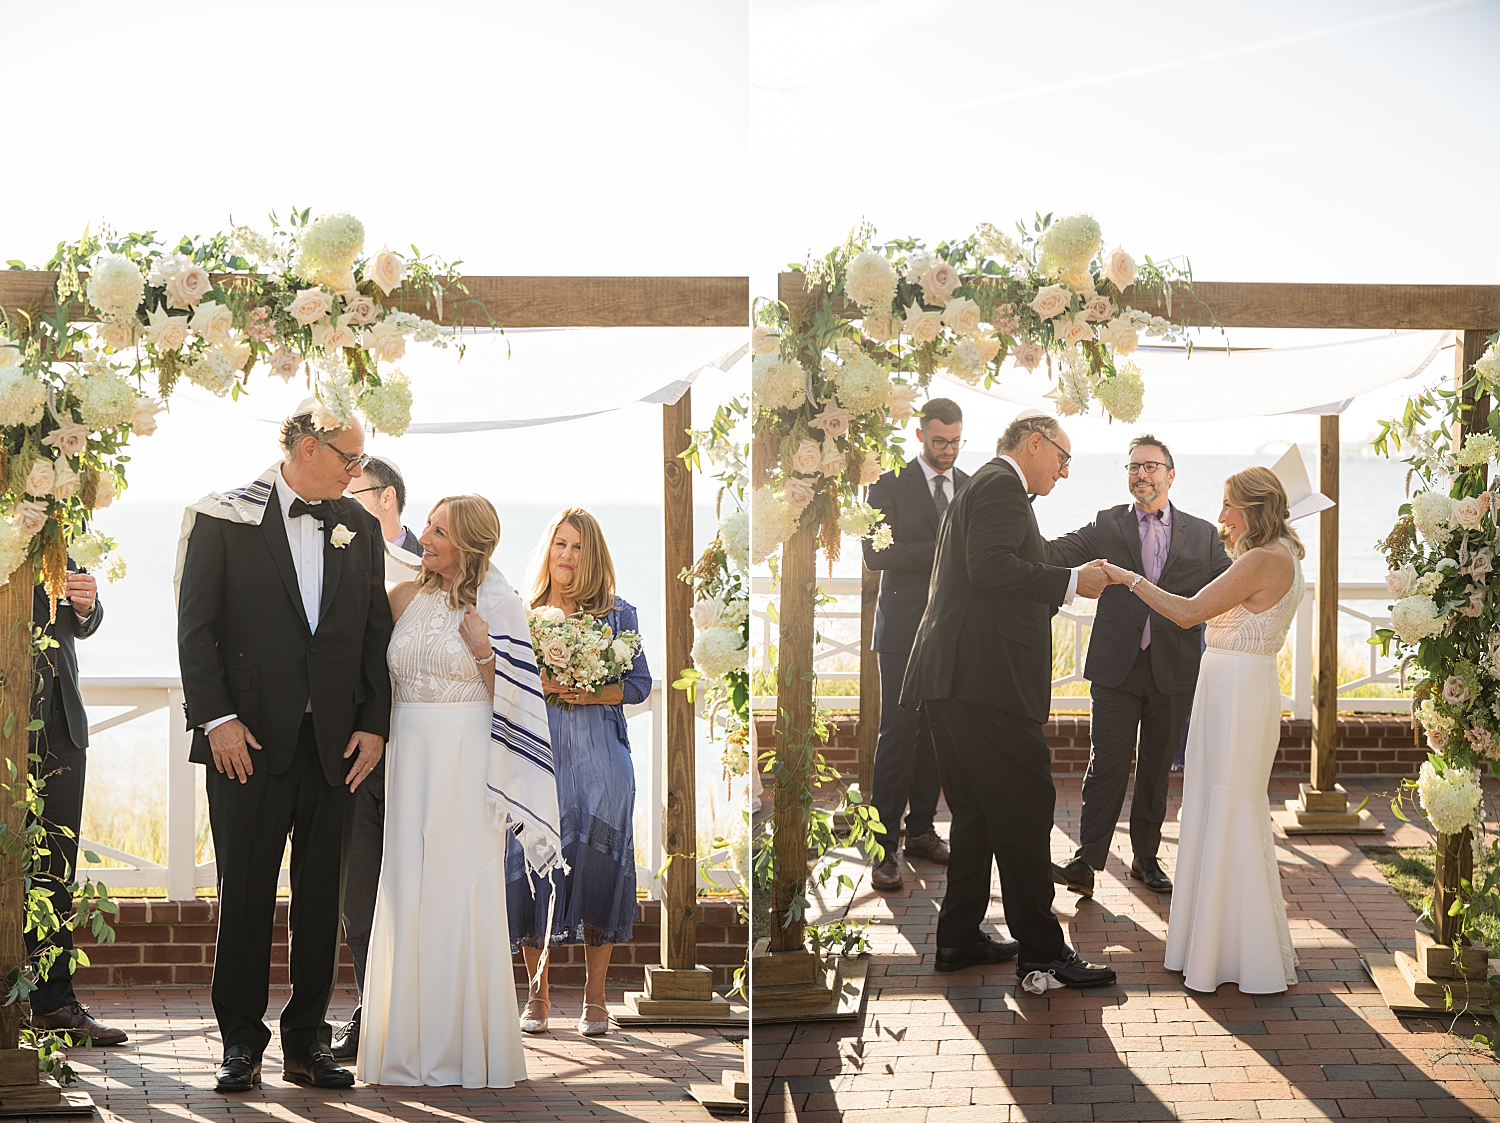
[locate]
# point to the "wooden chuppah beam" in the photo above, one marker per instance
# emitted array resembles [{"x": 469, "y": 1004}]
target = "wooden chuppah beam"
[
  {"x": 1236, "y": 304},
  {"x": 520, "y": 302}
]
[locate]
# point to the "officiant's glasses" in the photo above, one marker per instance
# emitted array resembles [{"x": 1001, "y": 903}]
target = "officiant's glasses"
[
  {"x": 1067, "y": 457},
  {"x": 359, "y": 459},
  {"x": 940, "y": 444},
  {"x": 1146, "y": 468}
]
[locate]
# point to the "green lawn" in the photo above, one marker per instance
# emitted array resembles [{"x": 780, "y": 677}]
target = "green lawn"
[{"x": 1409, "y": 870}]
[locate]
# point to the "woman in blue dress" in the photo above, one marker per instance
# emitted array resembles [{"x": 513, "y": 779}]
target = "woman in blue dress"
[{"x": 596, "y": 905}]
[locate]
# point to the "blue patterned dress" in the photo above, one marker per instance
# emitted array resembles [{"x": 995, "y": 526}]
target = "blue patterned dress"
[{"x": 596, "y": 802}]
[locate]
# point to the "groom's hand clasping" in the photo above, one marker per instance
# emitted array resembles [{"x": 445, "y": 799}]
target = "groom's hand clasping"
[
  {"x": 231, "y": 744},
  {"x": 1091, "y": 580},
  {"x": 369, "y": 746}
]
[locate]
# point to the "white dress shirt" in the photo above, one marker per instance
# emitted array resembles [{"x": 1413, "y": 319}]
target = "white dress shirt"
[
  {"x": 304, "y": 536},
  {"x": 1072, "y": 573}
]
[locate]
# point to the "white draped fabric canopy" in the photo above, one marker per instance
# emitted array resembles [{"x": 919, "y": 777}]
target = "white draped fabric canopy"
[
  {"x": 1214, "y": 384},
  {"x": 526, "y": 377}
]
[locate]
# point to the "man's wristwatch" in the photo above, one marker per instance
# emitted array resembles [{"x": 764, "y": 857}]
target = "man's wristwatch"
[{"x": 1137, "y": 581}]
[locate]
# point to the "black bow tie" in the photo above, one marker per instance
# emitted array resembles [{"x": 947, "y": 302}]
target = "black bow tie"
[{"x": 321, "y": 510}]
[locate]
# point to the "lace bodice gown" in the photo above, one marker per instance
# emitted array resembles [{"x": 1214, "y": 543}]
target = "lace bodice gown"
[
  {"x": 439, "y": 999},
  {"x": 1228, "y": 920}
]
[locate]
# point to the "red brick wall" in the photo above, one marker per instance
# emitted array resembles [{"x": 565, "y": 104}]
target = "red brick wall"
[
  {"x": 169, "y": 944},
  {"x": 1376, "y": 745}
]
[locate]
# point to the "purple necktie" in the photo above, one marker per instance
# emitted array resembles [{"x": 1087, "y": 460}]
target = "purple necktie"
[{"x": 1151, "y": 561}]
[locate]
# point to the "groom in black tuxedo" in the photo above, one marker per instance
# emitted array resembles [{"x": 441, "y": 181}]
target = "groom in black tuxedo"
[
  {"x": 981, "y": 669},
  {"x": 282, "y": 632}
]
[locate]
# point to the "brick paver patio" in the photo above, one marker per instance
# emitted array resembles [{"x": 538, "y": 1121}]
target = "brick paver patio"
[
  {"x": 943, "y": 1048},
  {"x": 165, "y": 1072}
]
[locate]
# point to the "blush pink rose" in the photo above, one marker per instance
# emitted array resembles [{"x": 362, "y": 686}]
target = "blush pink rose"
[
  {"x": 807, "y": 458},
  {"x": 938, "y": 282},
  {"x": 69, "y": 438},
  {"x": 797, "y": 493},
  {"x": 187, "y": 286},
  {"x": 40, "y": 479},
  {"x": 834, "y": 421},
  {"x": 29, "y": 517}
]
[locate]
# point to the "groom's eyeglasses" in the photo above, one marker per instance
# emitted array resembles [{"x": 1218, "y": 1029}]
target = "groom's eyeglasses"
[
  {"x": 1067, "y": 457},
  {"x": 359, "y": 459},
  {"x": 1145, "y": 468}
]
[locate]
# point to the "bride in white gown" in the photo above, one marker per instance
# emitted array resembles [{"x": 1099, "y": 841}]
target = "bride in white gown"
[
  {"x": 440, "y": 995},
  {"x": 1228, "y": 921}
]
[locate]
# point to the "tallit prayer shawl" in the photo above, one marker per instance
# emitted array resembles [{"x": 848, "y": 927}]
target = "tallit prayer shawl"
[{"x": 521, "y": 787}]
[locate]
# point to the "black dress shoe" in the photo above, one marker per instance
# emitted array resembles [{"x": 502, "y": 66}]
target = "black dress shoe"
[
  {"x": 887, "y": 875},
  {"x": 1072, "y": 971},
  {"x": 346, "y": 1040},
  {"x": 1149, "y": 870},
  {"x": 986, "y": 949},
  {"x": 316, "y": 1067},
  {"x": 239, "y": 1071},
  {"x": 1077, "y": 875}
]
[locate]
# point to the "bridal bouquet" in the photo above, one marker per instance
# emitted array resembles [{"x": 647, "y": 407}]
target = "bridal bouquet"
[{"x": 580, "y": 650}]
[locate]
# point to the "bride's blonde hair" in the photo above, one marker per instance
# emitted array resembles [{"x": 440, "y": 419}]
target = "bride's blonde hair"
[
  {"x": 1258, "y": 492},
  {"x": 474, "y": 527}
]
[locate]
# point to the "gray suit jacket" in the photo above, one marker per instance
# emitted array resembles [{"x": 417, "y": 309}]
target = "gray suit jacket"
[{"x": 1195, "y": 557}]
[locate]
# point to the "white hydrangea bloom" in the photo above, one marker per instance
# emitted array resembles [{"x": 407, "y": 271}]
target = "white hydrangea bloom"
[
  {"x": 718, "y": 651},
  {"x": 734, "y": 533},
  {"x": 1450, "y": 801},
  {"x": 14, "y": 545},
  {"x": 863, "y": 384},
  {"x": 88, "y": 550},
  {"x": 1416, "y": 618},
  {"x": 1480, "y": 448},
  {"x": 115, "y": 286},
  {"x": 1069, "y": 244},
  {"x": 387, "y": 407},
  {"x": 1124, "y": 394},
  {"x": 777, "y": 383},
  {"x": 106, "y": 401},
  {"x": 23, "y": 397},
  {"x": 1432, "y": 511},
  {"x": 772, "y": 522},
  {"x": 871, "y": 281},
  {"x": 331, "y": 243}
]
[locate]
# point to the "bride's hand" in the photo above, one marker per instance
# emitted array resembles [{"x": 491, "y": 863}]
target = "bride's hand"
[
  {"x": 475, "y": 633},
  {"x": 1117, "y": 575}
]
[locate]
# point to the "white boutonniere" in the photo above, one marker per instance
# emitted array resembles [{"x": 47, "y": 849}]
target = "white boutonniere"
[{"x": 341, "y": 536}]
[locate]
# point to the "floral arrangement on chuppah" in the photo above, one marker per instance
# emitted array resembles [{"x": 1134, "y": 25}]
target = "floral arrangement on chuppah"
[
  {"x": 305, "y": 300},
  {"x": 835, "y": 378},
  {"x": 1445, "y": 619}
]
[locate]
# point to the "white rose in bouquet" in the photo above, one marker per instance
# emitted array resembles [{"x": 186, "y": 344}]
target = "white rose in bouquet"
[
  {"x": 40, "y": 479},
  {"x": 1120, "y": 336},
  {"x": 65, "y": 481},
  {"x": 797, "y": 493},
  {"x": 807, "y": 458},
  {"x": 187, "y": 285},
  {"x": 705, "y": 613},
  {"x": 922, "y": 325},
  {"x": 1401, "y": 582},
  {"x": 548, "y": 613},
  {"x": 309, "y": 305},
  {"x": 1029, "y": 354},
  {"x": 29, "y": 517},
  {"x": 166, "y": 332},
  {"x": 143, "y": 416},
  {"x": 901, "y": 401},
  {"x": 69, "y": 438},
  {"x": 1050, "y": 301},
  {"x": 764, "y": 340},
  {"x": 938, "y": 281},
  {"x": 1120, "y": 270},
  {"x": 386, "y": 270},
  {"x": 212, "y": 321},
  {"x": 962, "y": 316},
  {"x": 104, "y": 494},
  {"x": 117, "y": 335},
  {"x": 1468, "y": 513}
]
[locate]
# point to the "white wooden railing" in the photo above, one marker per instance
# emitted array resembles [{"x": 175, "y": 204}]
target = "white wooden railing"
[
  {"x": 838, "y": 641},
  {"x": 183, "y": 875}
]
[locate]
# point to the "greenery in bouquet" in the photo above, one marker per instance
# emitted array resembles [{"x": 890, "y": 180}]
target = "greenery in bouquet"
[
  {"x": 1445, "y": 619},
  {"x": 834, "y": 379},
  {"x": 580, "y": 650}
]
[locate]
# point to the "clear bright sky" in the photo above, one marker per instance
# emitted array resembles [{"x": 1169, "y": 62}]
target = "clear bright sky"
[
  {"x": 1265, "y": 141},
  {"x": 578, "y": 138}
]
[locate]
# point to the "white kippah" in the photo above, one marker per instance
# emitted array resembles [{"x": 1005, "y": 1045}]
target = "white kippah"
[{"x": 1028, "y": 414}]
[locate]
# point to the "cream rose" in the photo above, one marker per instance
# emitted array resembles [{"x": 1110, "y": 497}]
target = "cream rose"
[
  {"x": 1400, "y": 582},
  {"x": 333, "y": 337},
  {"x": 962, "y": 316},
  {"x": 705, "y": 613},
  {"x": 555, "y": 653},
  {"x": 923, "y": 326},
  {"x": 285, "y": 363},
  {"x": 1120, "y": 269},
  {"x": 385, "y": 342},
  {"x": 764, "y": 340},
  {"x": 309, "y": 305},
  {"x": 164, "y": 332},
  {"x": 833, "y": 458},
  {"x": 187, "y": 286},
  {"x": 117, "y": 334},
  {"x": 40, "y": 479},
  {"x": 797, "y": 493},
  {"x": 833, "y": 421},
  {"x": 1098, "y": 309},
  {"x": 69, "y": 438},
  {"x": 938, "y": 281},
  {"x": 1468, "y": 513},
  {"x": 880, "y": 329},
  {"x": 143, "y": 416},
  {"x": 386, "y": 270},
  {"x": 213, "y": 321},
  {"x": 1073, "y": 330},
  {"x": 1029, "y": 354},
  {"x": 29, "y": 517},
  {"x": 869, "y": 469},
  {"x": 65, "y": 485},
  {"x": 807, "y": 458},
  {"x": 901, "y": 401},
  {"x": 361, "y": 309},
  {"x": 1050, "y": 301},
  {"x": 104, "y": 494},
  {"x": 1120, "y": 336}
]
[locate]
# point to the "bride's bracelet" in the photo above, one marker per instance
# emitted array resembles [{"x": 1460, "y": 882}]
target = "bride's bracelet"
[{"x": 482, "y": 662}]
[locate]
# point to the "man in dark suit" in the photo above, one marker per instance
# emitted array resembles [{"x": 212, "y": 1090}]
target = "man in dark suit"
[
  {"x": 911, "y": 502},
  {"x": 63, "y": 743},
  {"x": 981, "y": 668},
  {"x": 1142, "y": 668},
  {"x": 282, "y": 632},
  {"x": 381, "y": 490}
]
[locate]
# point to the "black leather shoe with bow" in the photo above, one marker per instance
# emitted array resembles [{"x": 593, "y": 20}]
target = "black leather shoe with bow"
[
  {"x": 316, "y": 1067},
  {"x": 1149, "y": 870},
  {"x": 238, "y": 1072},
  {"x": 986, "y": 949},
  {"x": 1072, "y": 970}
]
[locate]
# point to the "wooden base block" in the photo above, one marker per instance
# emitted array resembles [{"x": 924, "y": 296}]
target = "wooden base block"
[
  {"x": 1382, "y": 969},
  {"x": 43, "y": 1097},
  {"x": 716, "y": 1097},
  {"x": 1335, "y": 801},
  {"x": 1294, "y": 820},
  {"x": 1436, "y": 960},
  {"x": 736, "y": 1082},
  {"x": 1474, "y": 992},
  {"x": 639, "y": 1010},
  {"x": 820, "y": 990},
  {"x": 18, "y": 1068},
  {"x": 691, "y": 985},
  {"x": 844, "y": 1001},
  {"x": 784, "y": 968}
]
